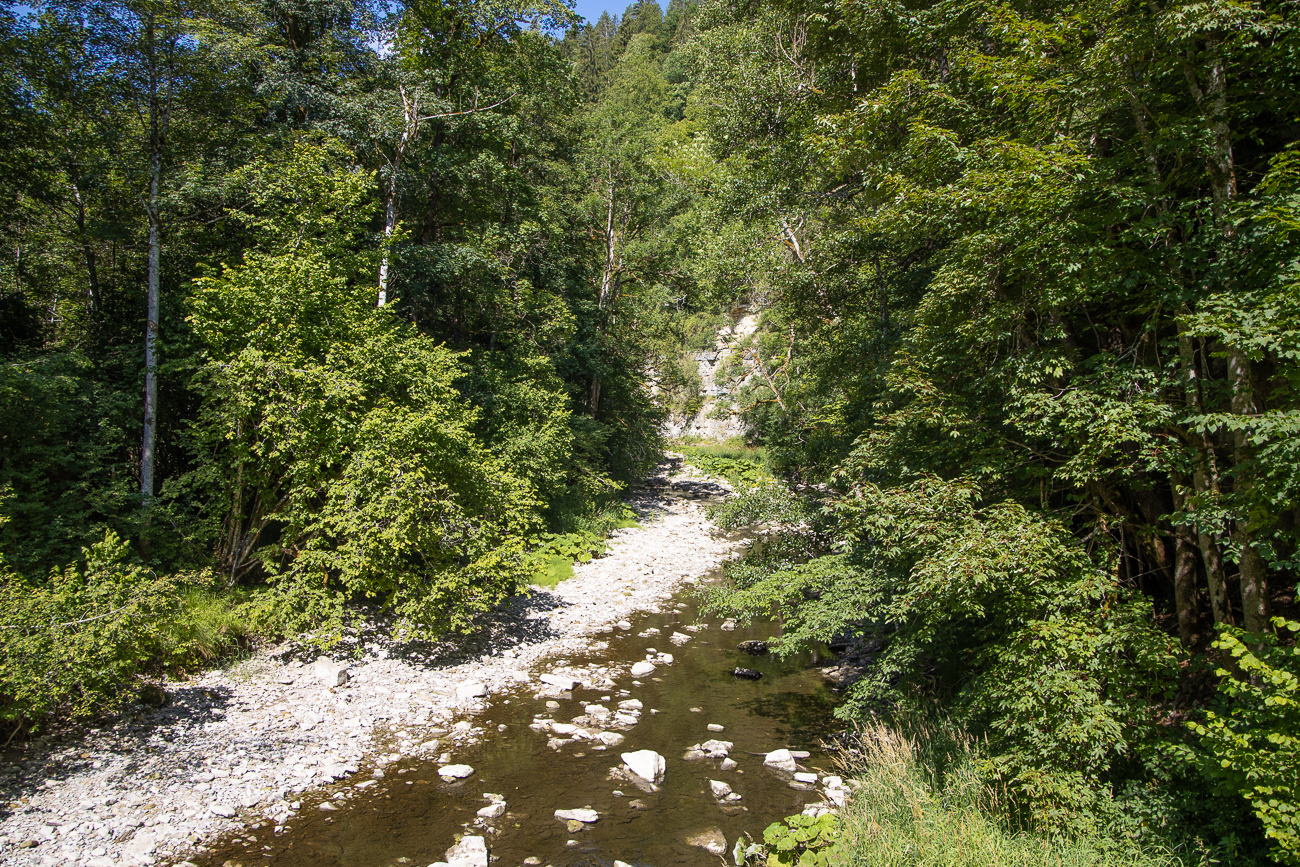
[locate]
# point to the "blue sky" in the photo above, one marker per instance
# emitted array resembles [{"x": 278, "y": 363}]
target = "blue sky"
[{"x": 591, "y": 9}]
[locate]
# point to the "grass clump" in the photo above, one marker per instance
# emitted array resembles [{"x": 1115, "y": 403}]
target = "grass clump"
[
  {"x": 553, "y": 554},
  {"x": 741, "y": 465},
  {"x": 923, "y": 802}
]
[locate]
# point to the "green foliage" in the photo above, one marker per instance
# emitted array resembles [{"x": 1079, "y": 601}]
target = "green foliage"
[
  {"x": 743, "y": 468},
  {"x": 74, "y": 643},
  {"x": 804, "y": 841},
  {"x": 1253, "y": 739},
  {"x": 768, "y": 502},
  {"x": 554, "y": 554},
  {"x": 921, "y": 800},
  {"x": 346, "y": 434},
  {"x": 207, "y": 626}
]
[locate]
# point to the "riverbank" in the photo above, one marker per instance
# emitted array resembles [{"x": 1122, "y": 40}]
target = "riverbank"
[{"x": 247, "y": 745}]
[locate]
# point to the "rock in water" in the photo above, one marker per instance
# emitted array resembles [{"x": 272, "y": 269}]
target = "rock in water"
[
  {"x": 641, "y": 669},
  {"x": 493, "y": 811},
  {"x": 781, "y": 760},
  {"x": 747, "y": 673},
  {"x": 711, "y": 841},
  {"x": 754, "y": 648},
  {"x": 647, "y": 764},
  {"x": 458, "y": 772},
  {"x": 584, "y": 816},
  {"x": 469, "y": 852},
  {"x": 720, "y": 789},
  {"x": 562, "y": 682}
]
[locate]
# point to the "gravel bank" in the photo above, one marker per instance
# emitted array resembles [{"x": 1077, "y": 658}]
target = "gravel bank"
[{"x": 251, "y": 744}]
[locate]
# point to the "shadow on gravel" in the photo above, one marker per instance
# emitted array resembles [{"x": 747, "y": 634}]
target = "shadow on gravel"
[{"x": 117, "y": 744}]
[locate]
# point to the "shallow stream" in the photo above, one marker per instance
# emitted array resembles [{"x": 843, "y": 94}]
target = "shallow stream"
[{"x": 411, "y": 817}]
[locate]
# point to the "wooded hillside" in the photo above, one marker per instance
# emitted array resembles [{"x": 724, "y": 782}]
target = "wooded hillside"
[{"x": 313, "y": 304}]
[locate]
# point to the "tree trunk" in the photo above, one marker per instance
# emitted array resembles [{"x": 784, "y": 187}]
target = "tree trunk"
[
  {"x": 151, "y": 340},
  {"x": 87, "y": 251},
  {"x": 410, "y": 128},
  {"x": 1254, "y": 571},
  {"x": 608, "y": 285},
  {"x": 1215, "y": 576},
  {"x": 157, "y": 130}
]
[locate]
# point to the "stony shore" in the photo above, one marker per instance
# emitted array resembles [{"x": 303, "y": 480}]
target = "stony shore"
[{"x": 252, "y": 744}]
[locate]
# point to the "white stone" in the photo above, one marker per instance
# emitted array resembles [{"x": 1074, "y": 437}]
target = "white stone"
[
  {"x": 455, "y": 772},
  {"x": 630, "y": 704},
  {"x": 469, "y": 852},
  {"x": 717, "y": 749},
  {"x": 472, "y": 689},
  {"x": 563, "y": 728},
  {"x": 641, "y": 669},
  {"x": 714, "y": 727},
  {"x": 584, "y": 816},
  {"x": 493, "y": 811},
  {"x": 720, "y": 789},
  {"x": 781, "y": 760},
  {"x": 331, "y": 673},
  {"x": 646, "y": 764},
  {"x": 804, "y": 777},
  {"x": 833, "y": 782},
  {"x": 727, "y": 765},
  {"x": 610, "y": 739},
  {"x": 225, "y": 811},
  {"x": 560, "y": 681}
]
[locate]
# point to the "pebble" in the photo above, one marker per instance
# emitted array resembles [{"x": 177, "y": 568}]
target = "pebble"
[
  {"x": 640, "y": 669},
  {"x": 714, "y": 727}
]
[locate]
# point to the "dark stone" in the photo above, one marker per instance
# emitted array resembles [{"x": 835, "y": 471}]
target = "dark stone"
[
  {"x": 747, "y": 673},
  {"x": 754, "y": 648},
  {"x": 153, "y": 695}
]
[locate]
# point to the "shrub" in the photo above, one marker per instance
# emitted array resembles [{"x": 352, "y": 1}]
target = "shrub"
[
  {"x": 1254, "y": 736},
  {"x": 75, "y": 643}
]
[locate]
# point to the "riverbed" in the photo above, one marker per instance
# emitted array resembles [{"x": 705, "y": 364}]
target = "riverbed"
[
  {"x": 243, "y": 757},
  {"x": 413, "y": 816}
]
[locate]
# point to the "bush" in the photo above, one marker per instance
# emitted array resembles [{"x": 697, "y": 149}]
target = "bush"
[
  {"x": 345, "y": 459},
  {"x": 1254, "y": 736},
  {"x": 75, "y": 643},
  {"x": 766, "y": 503},
  {"x": 742, "y": 467}
]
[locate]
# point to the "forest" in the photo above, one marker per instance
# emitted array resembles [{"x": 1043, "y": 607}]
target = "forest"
[{"x": 307, "y": 305}]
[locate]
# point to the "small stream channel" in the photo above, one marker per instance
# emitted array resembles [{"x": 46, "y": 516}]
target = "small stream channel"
[{"x": 411, "y": 817}]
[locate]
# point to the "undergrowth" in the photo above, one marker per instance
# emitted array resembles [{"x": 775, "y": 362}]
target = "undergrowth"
[
  {"x": 922, "y": 801},
  {"x": 553, "y": 554}
]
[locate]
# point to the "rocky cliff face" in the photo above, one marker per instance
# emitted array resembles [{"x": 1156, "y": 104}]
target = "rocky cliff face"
[{"x": 717, "y": 419}]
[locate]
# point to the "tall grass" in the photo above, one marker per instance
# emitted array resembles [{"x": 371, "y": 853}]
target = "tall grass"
[
  {"x": 208, "y": 626},
  {"x": 923, "y": 803}
]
